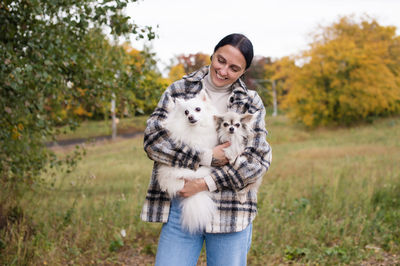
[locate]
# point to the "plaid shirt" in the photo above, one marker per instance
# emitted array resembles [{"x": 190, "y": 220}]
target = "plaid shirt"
[{"x": 232, "y": 216}]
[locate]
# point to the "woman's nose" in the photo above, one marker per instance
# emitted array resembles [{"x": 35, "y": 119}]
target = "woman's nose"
[{"x": 223, "y": 70}]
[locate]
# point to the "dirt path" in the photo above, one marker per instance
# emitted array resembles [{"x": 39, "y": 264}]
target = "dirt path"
[{"x": 69, "y": 142}]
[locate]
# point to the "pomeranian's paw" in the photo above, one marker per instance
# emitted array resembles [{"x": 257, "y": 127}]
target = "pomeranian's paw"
[{"x": 230, "y": 155}]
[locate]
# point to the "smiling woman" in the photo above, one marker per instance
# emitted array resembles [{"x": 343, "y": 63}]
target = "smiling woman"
[
  {"x": 228, "y": 235},
  {"x": 232, "y": 57},
  {"x": 224, "y": 72}
]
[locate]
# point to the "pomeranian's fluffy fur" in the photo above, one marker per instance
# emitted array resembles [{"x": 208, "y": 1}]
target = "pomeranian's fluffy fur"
[
  {"x": 236, "y": 129},
  {"x": 191, "y": 122}
]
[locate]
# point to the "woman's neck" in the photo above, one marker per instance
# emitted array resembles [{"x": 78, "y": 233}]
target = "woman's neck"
[{"x": 211, "y": 86}]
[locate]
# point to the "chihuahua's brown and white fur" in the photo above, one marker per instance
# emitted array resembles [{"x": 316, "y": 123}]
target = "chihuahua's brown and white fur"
[{"x": 236, "y": 128}]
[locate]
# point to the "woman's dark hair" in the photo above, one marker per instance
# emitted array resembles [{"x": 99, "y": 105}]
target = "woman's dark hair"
[{"x": 242, "y": 43}]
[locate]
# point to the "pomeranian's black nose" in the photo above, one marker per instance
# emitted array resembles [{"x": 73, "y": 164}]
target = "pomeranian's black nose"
[
  {"x": 191, "y": 119},
  {"x": 231, "y": 130}
]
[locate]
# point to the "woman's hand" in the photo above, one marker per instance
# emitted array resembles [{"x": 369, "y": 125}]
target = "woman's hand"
[
  {"x": 219, "y": 158},
  {"x": 193, "y": 186}
]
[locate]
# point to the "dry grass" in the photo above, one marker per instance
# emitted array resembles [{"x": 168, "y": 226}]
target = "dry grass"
[{"x": 332, "y": 196}]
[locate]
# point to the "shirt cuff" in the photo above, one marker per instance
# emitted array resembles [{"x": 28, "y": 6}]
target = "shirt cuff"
[
  {"x": 210, "y": 183},
  {"x": 206, "y": 157}
]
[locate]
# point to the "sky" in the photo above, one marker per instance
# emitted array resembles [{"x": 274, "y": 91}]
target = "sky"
[{"x": 276, "y": 28}]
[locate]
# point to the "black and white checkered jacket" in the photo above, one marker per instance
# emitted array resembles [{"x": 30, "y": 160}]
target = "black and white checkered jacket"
[{"x": 232, "y": 216}]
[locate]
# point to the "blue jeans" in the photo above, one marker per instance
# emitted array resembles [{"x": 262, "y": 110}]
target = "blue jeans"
[{"x": 177, "y": 247}]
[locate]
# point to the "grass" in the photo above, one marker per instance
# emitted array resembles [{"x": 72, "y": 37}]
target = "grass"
[
  {"x": 90, "y": 129},
  {"x": 320, "y": 201},
  {"x": 330, "y": 197}
]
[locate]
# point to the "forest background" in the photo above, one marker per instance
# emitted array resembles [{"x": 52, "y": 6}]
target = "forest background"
[{"x": 62, "y": 65}]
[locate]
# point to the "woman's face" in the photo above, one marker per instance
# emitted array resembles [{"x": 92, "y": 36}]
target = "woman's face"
[{"x": 227, "y": 65}]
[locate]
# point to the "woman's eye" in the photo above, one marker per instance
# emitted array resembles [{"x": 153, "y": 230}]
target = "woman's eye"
[
  {"x": 198, "y": 109},
  {"x": 237, "y": 125},
  {"x": 186, "y": 112},
  {"x": 226, "y": 124}
]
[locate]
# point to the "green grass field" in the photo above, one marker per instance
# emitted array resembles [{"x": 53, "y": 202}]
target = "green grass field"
[{"x": 331, "y": 196}]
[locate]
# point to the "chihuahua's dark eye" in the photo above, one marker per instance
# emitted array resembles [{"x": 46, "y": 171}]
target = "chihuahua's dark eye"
[
  {"x": 198, "y": 109},
  {"x": 226, "y": 124},
  {"x": 237, "y": 125},
  {"x": 186, "y": 112}
]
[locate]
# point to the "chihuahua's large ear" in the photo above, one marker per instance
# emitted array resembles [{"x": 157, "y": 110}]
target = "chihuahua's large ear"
[
  {"x": 218, "y": 119},
  {"x": 246, "y": 118},
  {"x": 203, "y": 96}
]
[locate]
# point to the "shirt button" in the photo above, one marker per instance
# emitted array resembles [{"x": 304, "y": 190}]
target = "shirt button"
[
  {"x": 247, "y": 106},
  {"x": 231, "y": 99}
]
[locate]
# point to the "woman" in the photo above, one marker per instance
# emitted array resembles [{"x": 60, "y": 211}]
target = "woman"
[{"x": 228, "y": 238}]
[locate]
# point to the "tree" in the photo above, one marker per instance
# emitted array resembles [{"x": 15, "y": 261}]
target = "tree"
[
  {"x": 186, "y": 64},
  {"x": 143, "y": 82},
  {"x": 54, "y": 53},
  {"x": 256, "y": 79},
  {"x": 176, "y": 72},
  {"x": 280, "y": 71},
  {"x": 351, "y": 73},
  {"x": 256, "y": 71}
]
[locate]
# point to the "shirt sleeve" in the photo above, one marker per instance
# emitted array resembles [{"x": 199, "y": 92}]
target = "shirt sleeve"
[
  {"x": 210, "y": 183},
  {"x": 253, "y": 163},
  {"x": 158, "y": 144}
]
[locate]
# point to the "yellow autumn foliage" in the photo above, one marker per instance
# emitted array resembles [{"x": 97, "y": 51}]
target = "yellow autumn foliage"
[
  {"x": 134, "y": 56},
  {"x": 176, "y": 72},
  {"x": 186, "y": 64},
  {"x": 351, "y": 73},
  {"x": 279, "y": 71},
  {"x": 80, "y": 111}
]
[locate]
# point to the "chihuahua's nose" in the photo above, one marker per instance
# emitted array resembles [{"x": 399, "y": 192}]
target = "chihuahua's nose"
[{"x": 231, "y": 130}]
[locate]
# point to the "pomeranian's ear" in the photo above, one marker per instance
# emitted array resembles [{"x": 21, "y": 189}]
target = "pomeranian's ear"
[
  {"x": 246, "y": 118},
  {"x": 179, "y": 102},
  {"x": 170, "y": 106},
  {"x": 203, "y": 96}
]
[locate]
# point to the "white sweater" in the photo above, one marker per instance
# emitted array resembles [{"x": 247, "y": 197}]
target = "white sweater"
[{"x": 219, "y": 98}]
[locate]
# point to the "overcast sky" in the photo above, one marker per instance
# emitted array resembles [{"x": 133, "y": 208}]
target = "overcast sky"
[{"x": 276, "y": 28}]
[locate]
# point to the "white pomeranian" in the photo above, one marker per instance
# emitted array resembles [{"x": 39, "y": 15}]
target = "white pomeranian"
[
  {"x": 191, "y": 122},
  {"x": 236, "y": 129}
]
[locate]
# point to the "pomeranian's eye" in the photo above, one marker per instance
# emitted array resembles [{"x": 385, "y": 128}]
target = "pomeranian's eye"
[
  {"x": 198, "y": 109},
  {"x": 226, "y": 124},
  {"x": 186, "y": 112},
  {"x": 237, "y": 125}
]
